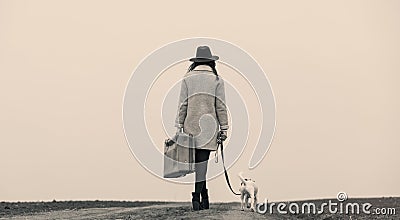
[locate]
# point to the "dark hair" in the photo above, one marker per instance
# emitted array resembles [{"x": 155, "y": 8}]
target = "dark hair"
[{"x": 209, "y": 63}]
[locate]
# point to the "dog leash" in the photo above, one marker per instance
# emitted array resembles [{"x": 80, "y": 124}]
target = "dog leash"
[{"x": 221, "y": 145}]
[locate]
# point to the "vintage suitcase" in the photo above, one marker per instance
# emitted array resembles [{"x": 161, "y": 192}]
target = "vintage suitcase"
[{"x": 179, "y": 155}]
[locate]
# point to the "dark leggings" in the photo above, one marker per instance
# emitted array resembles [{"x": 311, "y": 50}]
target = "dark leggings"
[{"x": 201, "y": 159}]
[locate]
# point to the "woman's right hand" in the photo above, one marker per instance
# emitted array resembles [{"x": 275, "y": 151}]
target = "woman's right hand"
[{"x": 179, "y": 130}]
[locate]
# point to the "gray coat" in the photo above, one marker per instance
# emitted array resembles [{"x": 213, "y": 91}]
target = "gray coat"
[{"x": 202, "y": 110}]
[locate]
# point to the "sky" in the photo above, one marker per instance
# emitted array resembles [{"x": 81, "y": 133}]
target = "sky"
[{"x": 333, "y": 67}]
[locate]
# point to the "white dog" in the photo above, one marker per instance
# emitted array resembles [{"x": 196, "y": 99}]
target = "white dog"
[{"x": 248, "y": 190}]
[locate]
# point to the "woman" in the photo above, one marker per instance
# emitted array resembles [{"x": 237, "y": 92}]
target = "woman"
[{"x": 202, "y": 113}]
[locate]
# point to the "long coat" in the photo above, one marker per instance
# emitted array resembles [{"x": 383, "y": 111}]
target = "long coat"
[{"x": 202, "y": 110}]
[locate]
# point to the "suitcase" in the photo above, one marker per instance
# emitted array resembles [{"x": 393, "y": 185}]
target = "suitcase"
[{"x": 179, "y": 155}]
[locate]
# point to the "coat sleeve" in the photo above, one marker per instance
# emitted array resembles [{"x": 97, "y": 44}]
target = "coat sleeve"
[
  {"x": 220, "y": 106},
  {"x": 182, "y": 107}
]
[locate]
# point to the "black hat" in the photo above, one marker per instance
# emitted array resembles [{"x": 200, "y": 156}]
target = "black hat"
[{"x": 203, "y": 54}]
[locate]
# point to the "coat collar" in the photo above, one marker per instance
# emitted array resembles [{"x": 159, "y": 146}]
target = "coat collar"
[{"x": 203, "y": 68}]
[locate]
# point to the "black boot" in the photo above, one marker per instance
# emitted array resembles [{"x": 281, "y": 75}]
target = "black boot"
[
  {"x": 204, "y": 199},
  {"x": 196, "y": 201}
]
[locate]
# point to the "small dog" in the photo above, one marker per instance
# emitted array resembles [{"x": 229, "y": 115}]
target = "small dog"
[{"x": 248, "y": 190}]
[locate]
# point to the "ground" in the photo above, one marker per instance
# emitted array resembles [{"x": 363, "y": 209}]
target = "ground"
[{"x": 172, "y": 210}]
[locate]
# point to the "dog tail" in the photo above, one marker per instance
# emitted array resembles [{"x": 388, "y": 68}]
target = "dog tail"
[{"x": 241, "y": 178}]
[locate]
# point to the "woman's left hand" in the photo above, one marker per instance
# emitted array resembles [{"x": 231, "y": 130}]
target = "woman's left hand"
[{"x": 223, "y": 135}]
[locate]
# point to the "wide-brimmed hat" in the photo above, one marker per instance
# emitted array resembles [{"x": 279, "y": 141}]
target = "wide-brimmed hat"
[{"x": 203, "y": 54}]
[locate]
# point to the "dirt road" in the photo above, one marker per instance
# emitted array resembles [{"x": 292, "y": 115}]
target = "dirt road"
[
  {"x": 167, "y": 211},
  {"x": 173, "y": 210}
]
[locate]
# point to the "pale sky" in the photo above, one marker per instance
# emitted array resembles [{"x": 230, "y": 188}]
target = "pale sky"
[{"x": 333, "y": 67}]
